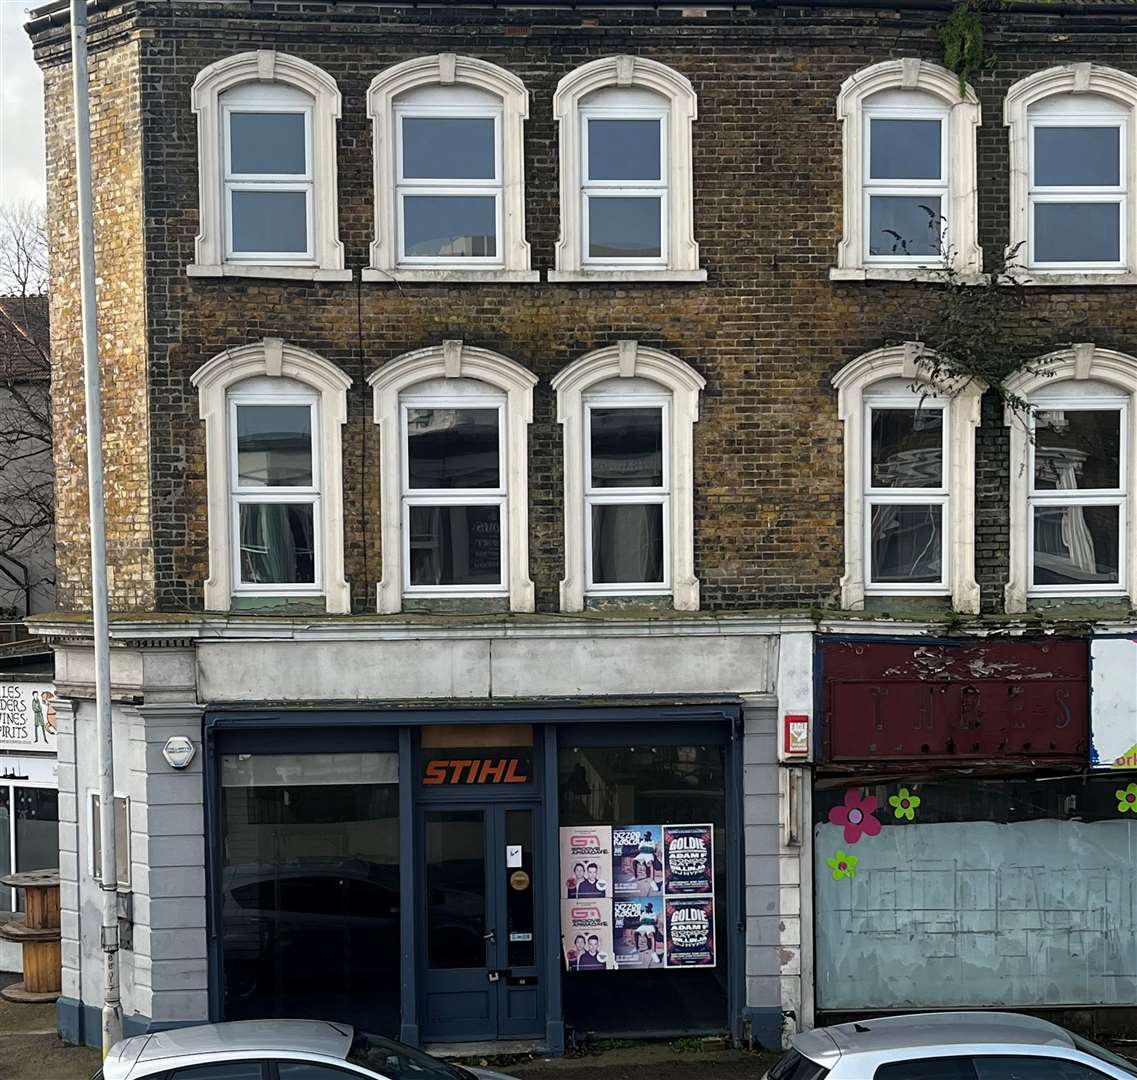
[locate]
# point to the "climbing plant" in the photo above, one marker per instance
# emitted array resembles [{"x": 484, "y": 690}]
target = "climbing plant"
[{"x": 963, "y": 43}]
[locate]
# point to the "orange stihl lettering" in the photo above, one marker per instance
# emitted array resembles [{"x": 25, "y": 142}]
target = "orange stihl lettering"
[{"x": 435, "y": 772}]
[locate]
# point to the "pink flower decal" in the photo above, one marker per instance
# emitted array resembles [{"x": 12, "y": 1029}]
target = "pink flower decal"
[{"x": 856, "y": 816}]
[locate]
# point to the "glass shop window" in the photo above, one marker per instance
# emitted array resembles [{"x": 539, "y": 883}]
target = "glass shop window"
[
  {"x": 649, "y": 780},
  {"x": 310, "y": 887},
  {"x": 29, "y": 833}
]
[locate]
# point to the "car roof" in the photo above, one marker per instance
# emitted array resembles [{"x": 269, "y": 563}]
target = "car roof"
[
  {"x": 921, "y": 1030},
  {"x": 242, "y": 1036}
]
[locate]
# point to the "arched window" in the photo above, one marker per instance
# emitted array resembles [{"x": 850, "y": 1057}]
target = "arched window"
[
  {"x": 626, "y": 173},
  {"x": 909, "y": 174},
  {"x": 273, "y": 414},
  {"x": 266, "y": 147},
  {"x": 448, "y": 134},
  {"x": 909, "y": 480},
  {"x": 628, "y": 415},
  {"x": 454, "y": 427},
  {"x": 1074, "y": 175},
  {"x": 1072, "y": 478}
]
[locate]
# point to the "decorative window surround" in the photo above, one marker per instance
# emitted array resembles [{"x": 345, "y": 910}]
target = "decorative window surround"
[
  {"x": 447, "y": 69},
  {"x": 1080, "y": 363},
  {"x": 852, "y": 382},
  {"x": 1081, "y": 78},
  {"x": 964, "y": 116},
  {"x": 266, "y": 66},
  {"x": 455, "y": 360},
  {"x": 214, "y": 380},
  {"x": 627, "y": 360},
  {"x": 677, "y": 92}
]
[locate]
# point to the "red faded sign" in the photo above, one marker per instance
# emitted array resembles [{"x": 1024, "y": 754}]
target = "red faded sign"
[
  {"x": 888, "y": 701},
  {"x": 497, "y": 770}
]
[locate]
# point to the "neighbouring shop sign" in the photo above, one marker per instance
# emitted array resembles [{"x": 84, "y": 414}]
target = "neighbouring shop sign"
[
  {"x": 1113, "y": 703},
  {"x": 637, "y": 896},
  {"x": 27, "y": 716},
  {"x": 458, "y": 768}
]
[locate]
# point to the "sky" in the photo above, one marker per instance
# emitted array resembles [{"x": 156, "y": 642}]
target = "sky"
[{"x": 21, "y": 109}]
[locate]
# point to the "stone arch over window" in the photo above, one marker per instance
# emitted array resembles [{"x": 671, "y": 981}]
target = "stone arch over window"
[
  {"x": 438, "y": 384},
  {"x": 888, "y": 388},
  {"x": 301, "y": 102},
  {"x": 267, "y": 374},
  {"x": 450, "y": 87},
  {"x": 1101, "y": 386},
  {"x": 661, "y": 105},
  {"x": 920, "y": 179},
  {"x": 636, "y": 378},
  {"x": 1083, "y": 176}
]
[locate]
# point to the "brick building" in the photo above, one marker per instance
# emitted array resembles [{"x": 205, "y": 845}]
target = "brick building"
[{"x": 513, "y": 423}]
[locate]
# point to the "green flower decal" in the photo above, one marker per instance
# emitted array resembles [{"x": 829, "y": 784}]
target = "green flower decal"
[
  {"x": 843, "y": 866},
  {"x": 1127, "y": 799},
  {"x": 904, "y": 804}
]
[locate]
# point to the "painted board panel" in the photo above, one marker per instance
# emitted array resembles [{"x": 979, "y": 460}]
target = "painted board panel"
[{"x": 1113, "y": 703}]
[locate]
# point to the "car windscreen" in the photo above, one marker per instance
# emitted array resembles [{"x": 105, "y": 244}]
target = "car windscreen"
[
  {"x": 1102, "y": 1054},
  {"x": 396, "y": 1061},
  {"x": 795, "y": 1066}
]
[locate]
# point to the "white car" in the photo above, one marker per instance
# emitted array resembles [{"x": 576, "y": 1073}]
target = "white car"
[
  {"x": 275, "y": 1050},
  {"x": 949, "y": 1046}
]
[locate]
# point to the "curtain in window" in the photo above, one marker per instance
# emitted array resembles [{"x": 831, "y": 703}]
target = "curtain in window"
[{"x": 628, "y": 544}]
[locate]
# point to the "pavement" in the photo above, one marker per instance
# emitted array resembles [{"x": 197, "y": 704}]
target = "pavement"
[{"x": 30, "y": 1049}]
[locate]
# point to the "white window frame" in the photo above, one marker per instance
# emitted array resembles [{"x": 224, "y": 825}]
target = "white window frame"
[
  {"x": 388, "y": 263},
  {"x": 1081, "y": 363},
  {"x": 1080, "y": 496},
  {"x": 213, "y": 251},
  {"x": 627, "y": 496},
  {"x": 454, "y": 496},
  {"x": 938, "y": 187},
  {"x": 93, "y": 867},
  {"x": 628, "y": 189},
  {"x": 393, "y": 386},
  {"x": 1115, "y": 194},
  {"x": 578, "y": 388},
  {"x": 679, "y": 258},
  {"x": 908, "y": 496},
  {"x": 854, "y": 384},
  {"x": 1076, "y": 81},
  {"x": 959, "y": 205},
  {"x": 11, "y": 783},
  {"x": 448, "y": 186},
  {"x": 289, "y": 496},
  {"x": 293, "y": 182},
  {"x": 218, "y": 383}
]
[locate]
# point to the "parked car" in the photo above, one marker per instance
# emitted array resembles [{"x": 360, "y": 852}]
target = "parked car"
[
  {"x": 949, "y": 1046},
  {"x": 275, "y": 1050}
]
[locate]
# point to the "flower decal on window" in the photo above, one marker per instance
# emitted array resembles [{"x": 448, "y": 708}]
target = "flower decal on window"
[
  {"x": 904, "y": 804},
  {"x": 843, "y": 866},
  {"x": 1127, "y": 799},
  {"x": 856, "y": 816}
]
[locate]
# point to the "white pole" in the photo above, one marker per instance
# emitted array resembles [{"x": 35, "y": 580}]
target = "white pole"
[{"x": 112, "y": 1007}]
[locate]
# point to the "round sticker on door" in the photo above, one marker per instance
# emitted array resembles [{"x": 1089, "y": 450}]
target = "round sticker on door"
[{"x": 519, "y": 880}]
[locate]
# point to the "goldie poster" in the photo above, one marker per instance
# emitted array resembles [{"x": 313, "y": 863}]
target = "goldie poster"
[
  {"x": 690, "y": 941},
  {"x": 688, "y": 860}
]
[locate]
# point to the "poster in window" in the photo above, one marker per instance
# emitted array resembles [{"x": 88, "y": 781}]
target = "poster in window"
[
  {"x": 637, "y": 932},
  {"x": 688, "y": 860},
  {"x": 586, "y": 862},
  {"x": 690, "y": 932},
  {"x": 586, "y": 935},
  {"x": 637, "y": 860}
]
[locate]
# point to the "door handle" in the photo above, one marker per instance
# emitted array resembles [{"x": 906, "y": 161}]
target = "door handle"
[
  {"x": 491, "y": 937},
  {"x": 495, "y": 974}
]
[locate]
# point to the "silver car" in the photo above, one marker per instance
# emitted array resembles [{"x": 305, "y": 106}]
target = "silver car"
[
  {"x": 275, "y": 1050},
  {"x": 949, "y": 1046}
]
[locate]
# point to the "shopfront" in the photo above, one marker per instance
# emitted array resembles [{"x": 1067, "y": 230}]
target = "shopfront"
[{"x": 414, "y": 872}]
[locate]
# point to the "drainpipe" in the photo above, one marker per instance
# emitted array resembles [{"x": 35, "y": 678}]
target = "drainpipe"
[{"x": 108, "y": 872}]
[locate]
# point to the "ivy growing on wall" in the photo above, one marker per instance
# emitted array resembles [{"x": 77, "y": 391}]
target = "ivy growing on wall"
[{"x": 963, "y": 44}]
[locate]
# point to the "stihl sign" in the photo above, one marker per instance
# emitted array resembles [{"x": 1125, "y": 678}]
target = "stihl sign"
[{"x": 496, "y": 770}]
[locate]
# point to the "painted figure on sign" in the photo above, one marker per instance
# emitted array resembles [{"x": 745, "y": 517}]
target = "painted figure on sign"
[{"x": 37, "y": 714}]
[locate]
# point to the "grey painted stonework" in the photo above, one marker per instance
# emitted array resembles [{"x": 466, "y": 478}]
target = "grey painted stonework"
[{"x": 165, "y": 975}]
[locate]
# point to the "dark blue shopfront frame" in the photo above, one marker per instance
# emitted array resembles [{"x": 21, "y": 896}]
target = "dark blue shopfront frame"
[{"x": 284, "y": 731}]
